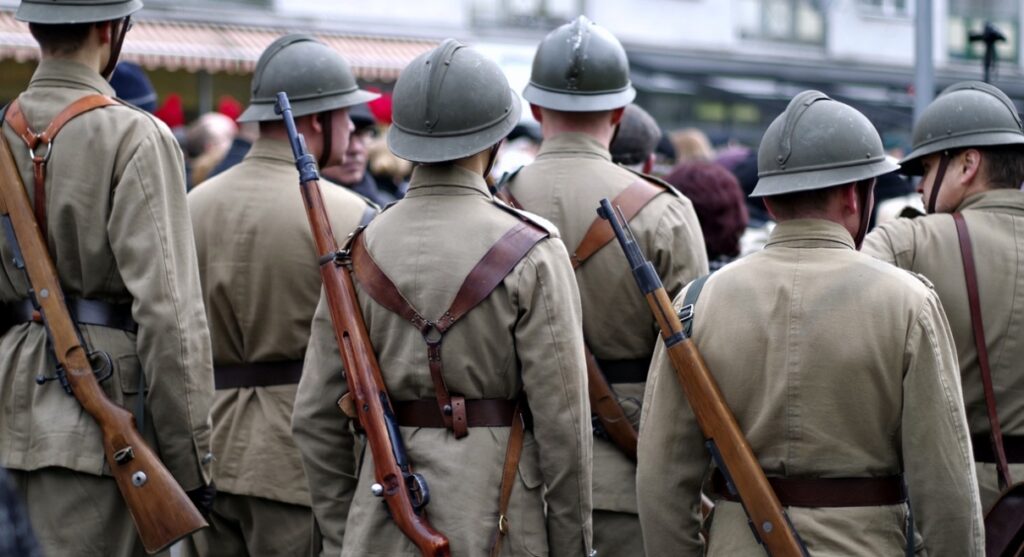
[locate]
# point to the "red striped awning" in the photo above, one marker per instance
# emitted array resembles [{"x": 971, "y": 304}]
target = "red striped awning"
[{"x": 224, "y": 48}]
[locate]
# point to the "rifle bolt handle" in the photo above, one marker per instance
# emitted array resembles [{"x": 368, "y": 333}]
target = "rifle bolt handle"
[
  {"x": 377, "y": 490},
  {"x": 139, "y": 478}
]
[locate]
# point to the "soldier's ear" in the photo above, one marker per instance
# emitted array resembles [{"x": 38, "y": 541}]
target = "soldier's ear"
[
  {"x": 538, "y": 115},
  {"x": 106, "y": 31},
  {"x": 617, "y": 115},
  {"x": 970, "y": 161}
]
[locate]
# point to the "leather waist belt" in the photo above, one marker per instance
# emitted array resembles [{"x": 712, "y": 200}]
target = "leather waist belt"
[
  {"x": 827, "y": 492},
  {"x": 257, "y": 374},
  {"x": 1012, "y": 444},
  {"x": 83, "y": 311},
  {"x": 625, "y": 371},
  {"x": 486, "y": 412}
]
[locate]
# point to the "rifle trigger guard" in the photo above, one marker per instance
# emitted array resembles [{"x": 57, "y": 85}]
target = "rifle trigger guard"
[
  {"x": 419, "y": 492},
  {"x": 106, "y": 368}
]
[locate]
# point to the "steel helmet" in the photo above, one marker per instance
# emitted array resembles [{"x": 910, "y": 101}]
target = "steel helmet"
[
  {"x": 818, "y": 142},
  {"x": 580, "y": 67},
  {"x": 66, "y": 12},
  {"x": 965, "y": 114},
  {"x": 450, "y": 103},
  {"x": 316, "y": 78}
]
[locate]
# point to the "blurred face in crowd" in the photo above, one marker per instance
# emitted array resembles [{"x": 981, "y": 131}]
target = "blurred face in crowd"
[
  {"x": 352, "y": 169},
  {"x": 341, "y": 130}
]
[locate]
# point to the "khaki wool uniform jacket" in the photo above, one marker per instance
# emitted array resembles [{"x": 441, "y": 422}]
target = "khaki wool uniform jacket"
[
  {"x": 929, "y": 245},
  {"x": 835, "y": 365},
  {"x": 525, "y": 335},
  {"x": 118, "y": 231},
  {"x": 565, "y": 184},
  {"x": 261, "y": 284}
]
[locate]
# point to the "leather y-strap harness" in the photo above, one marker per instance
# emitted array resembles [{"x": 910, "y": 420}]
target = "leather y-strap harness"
[
  {"x": 40, "y": 145},
  {"x": 974, "y": 301},
  {"x": 488, "y": 273}
]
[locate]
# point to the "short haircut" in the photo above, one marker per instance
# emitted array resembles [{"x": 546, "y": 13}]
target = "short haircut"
[
  {"x": 799, "y": 205},
  {"x": 60, "y": 39},
  {"x": 1004, "y": 166}
]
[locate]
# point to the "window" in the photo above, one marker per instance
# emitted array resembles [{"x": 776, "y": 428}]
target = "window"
[
  {"x": 543, "y": 14},
  {"x": 888, "y": 8},
  {"x": 969, "y": 16},
  {"x": 799, "y": 21}
]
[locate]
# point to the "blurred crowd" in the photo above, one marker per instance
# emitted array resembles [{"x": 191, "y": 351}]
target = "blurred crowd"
[{"x": 716, "y": 178}]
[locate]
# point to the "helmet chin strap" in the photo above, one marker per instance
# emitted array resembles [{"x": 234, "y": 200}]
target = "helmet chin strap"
[
  {"x": 326, "y": 121},
  {"x": 940, "y": 174},
  {"x": 864, "y": 189},
  {"x": 117, "y": 34},
  {"x": 491, "y": 159}
]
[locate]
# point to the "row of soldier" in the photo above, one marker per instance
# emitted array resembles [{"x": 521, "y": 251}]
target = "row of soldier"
[{"x": 843, "y": 369}]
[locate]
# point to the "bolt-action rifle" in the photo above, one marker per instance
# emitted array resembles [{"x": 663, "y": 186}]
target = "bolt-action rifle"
[
  {"x": 405, "y": 493},
  {"x": 723, "y": 438},
  {"x": 160, "y": 508}
]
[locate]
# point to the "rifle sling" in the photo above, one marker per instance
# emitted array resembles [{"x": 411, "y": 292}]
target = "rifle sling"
[
  {"x": 827, "y": 492},
  {"x": 44, "y": 139},
  {"x": 974, "y": 301},
  {"x": 488, "y": 273}
]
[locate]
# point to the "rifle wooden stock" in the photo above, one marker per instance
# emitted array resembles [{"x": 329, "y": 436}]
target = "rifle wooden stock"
[
  {"x": 605, "y": 405},
  {"x": 160, "y": 508},
  {"x": 362, "y": 372},
  {"x": 715, "y": 419}
]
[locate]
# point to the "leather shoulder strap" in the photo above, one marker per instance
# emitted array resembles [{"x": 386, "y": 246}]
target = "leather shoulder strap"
[
  {"x": 491, "y": 270},
  {"x": 379, "y": 286},
  {"x": 16, "y": 118},
  {"x": 654, "y": 180},
  {"x": 488, "y": 273},
  {"x": 974, "y": 301},
  {"x": 630, "y": 201}
]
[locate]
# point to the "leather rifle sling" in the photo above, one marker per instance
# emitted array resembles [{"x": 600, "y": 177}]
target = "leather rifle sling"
[
  {"x": 488, "y": 273},
  {"x": 971, "y": 277},
  {"x": 513, "y": 452},
  {"x": 16, "y": 119}
]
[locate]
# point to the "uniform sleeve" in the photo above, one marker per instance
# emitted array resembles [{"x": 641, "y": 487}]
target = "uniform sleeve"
[
  {"x": 323, "y": 433},
  {"x": 892, "y": 242},
  {"x": 151, "y": 238},
  {"x": 549, "y": 337},
  {"x": 671, "y": 464},
  {"x": 937, "y": 458},
  {"x": 679, "y": 253}
]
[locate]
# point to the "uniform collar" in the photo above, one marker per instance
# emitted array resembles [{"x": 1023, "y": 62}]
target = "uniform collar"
[
  {"x": 995, "y": 199},
  {"x": 427, "y": 177},
  {"x": 573, "y": 144},
  {"x": 810, "y": 233},
  {"x": 272, "y": 149},
  {"x": 66, "y": 73}
]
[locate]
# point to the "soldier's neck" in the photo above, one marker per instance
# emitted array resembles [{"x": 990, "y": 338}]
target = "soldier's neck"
[{"x": 94, "y": 58}]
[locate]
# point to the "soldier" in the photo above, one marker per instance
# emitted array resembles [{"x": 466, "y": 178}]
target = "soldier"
[
  {"x": 968, "y": 147},
  {"x": 839, "y": 369},
  {"x": 261, "y": 284},
  {"x": 578, "y": 90},
  {"x": 452, "y": 108},
  {"x": 109, "y": 194}
]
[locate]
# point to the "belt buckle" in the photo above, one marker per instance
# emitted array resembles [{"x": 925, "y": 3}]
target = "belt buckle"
[{"x": 686, "y": 312}]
